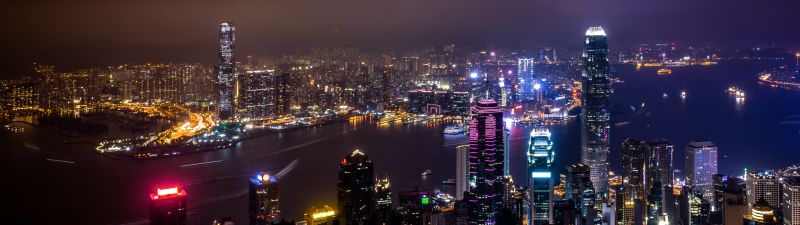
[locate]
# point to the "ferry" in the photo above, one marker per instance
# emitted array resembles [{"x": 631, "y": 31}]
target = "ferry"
[
  {"x": 664, "y": 71},
  {"x": 736, "y": 92},
  {"x": 427, "y": 173},
  {"x": 454, "y": 129},
  {"x": 683, "y": 94}
]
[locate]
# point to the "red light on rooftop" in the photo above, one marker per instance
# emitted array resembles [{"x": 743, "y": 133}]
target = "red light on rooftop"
[{"x": 168, "y": 192}]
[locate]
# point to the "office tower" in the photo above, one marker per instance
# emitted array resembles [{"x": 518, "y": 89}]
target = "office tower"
[
  {"x": 462, "y": 170},
  {"x": 282, "y": 97},
  {"x": 383, "y": 201},
  {"x": 168, "y": 206},
  {"x": 579, "y": 188},
  {"x": 525, "y": 77},
  {"x": 701, "y": 165},
  {"x": 264, "y": 200},
  {"x": 654, "y": 203},
  {"x": 415, "y": 207},
  {"x": 540, "y": 160},
  {"x": 634, "y": 164},
  {"x": 660, "y": 175},
  {"x": 764, "y": 185},
  {"x": 486, "y": 162},
  {"x": 506, "y": 152},
  {"x": 355, "y": 188},
  {"x": 323, "y": 215},
  {"x": 257, "y": 91},
  {"x": 734, "y": 201},
  {"x": 596, "y": 115},
  {"x": 226, "y": 72},
  {"x": 761, "y": 214},
  {"x": 791, "y": 200},
  {"x": 699, "y": 209}
]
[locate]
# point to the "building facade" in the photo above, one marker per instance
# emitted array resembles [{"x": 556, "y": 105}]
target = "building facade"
[
  {"x": 596, "y": 116},
  {"x": 486, "y": 162},
  {"x": 226, "y": 72}
]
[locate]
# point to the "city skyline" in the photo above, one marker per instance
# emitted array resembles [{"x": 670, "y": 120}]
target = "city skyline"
[{"x": 580, "y": 130}]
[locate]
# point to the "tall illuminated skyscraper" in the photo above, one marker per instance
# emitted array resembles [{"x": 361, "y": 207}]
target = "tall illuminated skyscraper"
[
  {"x": 540, "y": 161},
  {"x": 356, "y": 188},
  {"x": 525, "y": 76},
  {"x": 226, "y": 72},
  {"x": 596, "y": 116},
  {"x": 168, "y": 206},
  {"x": 701, "y": 165},
  {"x": 485, "y": 162},
  {"x": 264, "y": 199}
]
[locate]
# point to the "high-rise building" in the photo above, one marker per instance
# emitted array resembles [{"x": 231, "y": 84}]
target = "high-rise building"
[
  {"x": 257, "y": 94},
  {"x": 383, "y": 201},
  {"x": 701, "y": 165},
  {"x": 764, "y": 185},
  {"x": 596, "y": 115},
  {"x": 634, "y": 164},
  {"x": 462, "y": 170},
  {"x": 282, "y": 97},
  {"x": 540, "y": 161},
  {"x": 579, "y": 188},
  {"x": 791, "y": 200},
  {"x": 226, "y": 72},
  {"x": 485, "y": 162},
  {"x": 264, "y": 200},
  {"x": 168, "y": 206},
  {"x": 356, "y": 188},
  {"x": 525, "y": 77}
]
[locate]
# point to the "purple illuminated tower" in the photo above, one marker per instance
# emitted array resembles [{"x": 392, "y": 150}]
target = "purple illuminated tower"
[{"x": 485, "y": 162}]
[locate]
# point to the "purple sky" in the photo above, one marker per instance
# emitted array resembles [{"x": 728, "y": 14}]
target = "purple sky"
[{"x": 97, "y": 32}]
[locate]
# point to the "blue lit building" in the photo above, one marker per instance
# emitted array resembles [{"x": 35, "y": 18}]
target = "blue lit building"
[
  {"x": 264, "y": 199},
  {"x": 540, "y": 161},
  {"x": 596, "y": 115},
  {"x": 525, "y": 77}
]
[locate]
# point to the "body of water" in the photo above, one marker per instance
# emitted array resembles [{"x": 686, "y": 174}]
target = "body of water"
[{"x": 69, "y": 183}]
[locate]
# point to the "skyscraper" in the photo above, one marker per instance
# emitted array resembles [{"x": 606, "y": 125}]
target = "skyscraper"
[
  {"x": 257, "y": 94},
  {"x": 383, "y": 201},
  {"x": 791, "y": 200},
  {"x": 485, "y": 162},
  {"x": 596, "y": 117},
  {"x": 701, "y": 165},
  {"x": 525, "y": 77},
  {"x": 168, "y": 206},
  {"x": 634, "y": 164},
  {"x": 764, "y": 185},
  {"x": 579, "y": 188},
  {"x": 264, "y": 200},
  {"x": 462, "y": 170},
  {"x": 226, "y": 72},
  {"x": 540, "y": 160},
  {"x": 356, "y": 188}
]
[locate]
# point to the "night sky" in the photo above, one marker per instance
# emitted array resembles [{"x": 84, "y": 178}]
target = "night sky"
[{"x": 78, "y": 34}]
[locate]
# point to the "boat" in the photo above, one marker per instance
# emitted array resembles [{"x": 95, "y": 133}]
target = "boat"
[
  {"x": 683, "y": 94},
  {"x": 454, "y": 129},
  {"x": 736, "y": 92},
  {"x": 664, "y": 71},
  {"x": 427, "y": 173}
]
